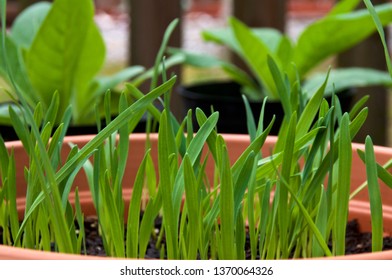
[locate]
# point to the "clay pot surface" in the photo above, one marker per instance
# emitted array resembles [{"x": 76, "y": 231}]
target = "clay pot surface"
[{"x": 359, "y": 207}]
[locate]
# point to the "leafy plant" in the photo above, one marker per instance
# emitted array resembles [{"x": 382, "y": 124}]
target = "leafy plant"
[
  {"x": 336, "y": 32},
  {"x": 58, "y": 47}
]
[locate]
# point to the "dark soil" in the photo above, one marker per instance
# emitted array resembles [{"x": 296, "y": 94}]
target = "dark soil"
[{"x": 356, "y": 241}]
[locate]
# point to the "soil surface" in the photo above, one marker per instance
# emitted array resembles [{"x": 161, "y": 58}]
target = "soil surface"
[{"x": 356, "y": 241}]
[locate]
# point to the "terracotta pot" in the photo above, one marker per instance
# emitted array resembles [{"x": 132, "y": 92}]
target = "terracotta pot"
[{"x": 359, "y": 208}]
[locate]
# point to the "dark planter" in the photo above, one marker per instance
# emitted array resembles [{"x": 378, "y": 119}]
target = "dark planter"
[
  {"x": 8, "y": 133},
  {"x": 225, "y": 98}
]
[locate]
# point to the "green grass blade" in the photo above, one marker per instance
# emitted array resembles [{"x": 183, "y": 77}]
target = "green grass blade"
[
  {"x": 193, "y": 206},
  {"x": 375, "y": 196},
  {"x": 80, "y": 220},
  {"x": 358, "y": 106},
  {"x": 309, "y": 220},
  {"x": 11, "y": 194},
  {"x": 281, "y": 86},
  {"x": 343, "y": 186},
  {"x": 265, "y": 213},
  {"x": 162, "y": 49},
  {"x": 136, "y": 108},
  {"x": 113, "y": 228},
  {"x": 250, "y": 120},
  {"x": 227, "y": 223},
  {"x": 381, "y": 32},
  {"x": 321, "y": 223},
  {"x": 287, "y": 161},
  {"x": 52, "y": 111},
  {"x": 165, "y": 183},
  {"x": 133, "y": 224},
  {"x": 123, "y": 151},
  {"x": 242, "y": 182},
  {"x": 382, "y": 172},
  {"x": 147, "y": 224},
  {"x": 240, "y": 237},
  {"x": 194, "y": 150},
  {"x": 311, "y": 109}
]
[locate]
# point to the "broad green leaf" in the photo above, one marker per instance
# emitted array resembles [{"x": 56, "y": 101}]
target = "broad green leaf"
[
  {"x": 344, "y": 6},
  {"x": 348, "y": 78},
  {"x": 102, "y": 84},
  {"x": 222, "y": 36},
  {"x": 28, "y": 22},
  {"x": 169, "y": 62},
  {"x": 334, "y": 34},
  {"x": 90, "y": 59},
  {"x": 66, "y": 50},
  {"x": 249, "y": 86},
  {"x": 13, "y": 70},
  {"x": 255, "y": 54},
  {"x": 226, "y": 37},
  {"x": 197, "y": 59},
  {"x": 285, "y": 53}
]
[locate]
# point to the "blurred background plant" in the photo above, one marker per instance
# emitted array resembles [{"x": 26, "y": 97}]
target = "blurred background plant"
[{"x": 114, "y": 17}]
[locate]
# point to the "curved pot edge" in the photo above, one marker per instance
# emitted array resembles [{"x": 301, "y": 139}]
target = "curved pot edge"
[{"x": 356, "y": 207}]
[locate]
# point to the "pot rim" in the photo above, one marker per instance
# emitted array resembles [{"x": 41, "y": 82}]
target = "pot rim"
[{"x": 358, "y": 207}]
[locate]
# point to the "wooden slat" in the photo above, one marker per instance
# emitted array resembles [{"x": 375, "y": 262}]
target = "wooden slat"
[
  {"x": 149, "y": 19},
  {"x": 256, "y": 13},
  {"x": 370, "y": 54}
]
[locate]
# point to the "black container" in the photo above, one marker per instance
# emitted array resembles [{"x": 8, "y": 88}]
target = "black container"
[
  {"x": 225, "y": 98},
  {"x": 8, "y": 133}
]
